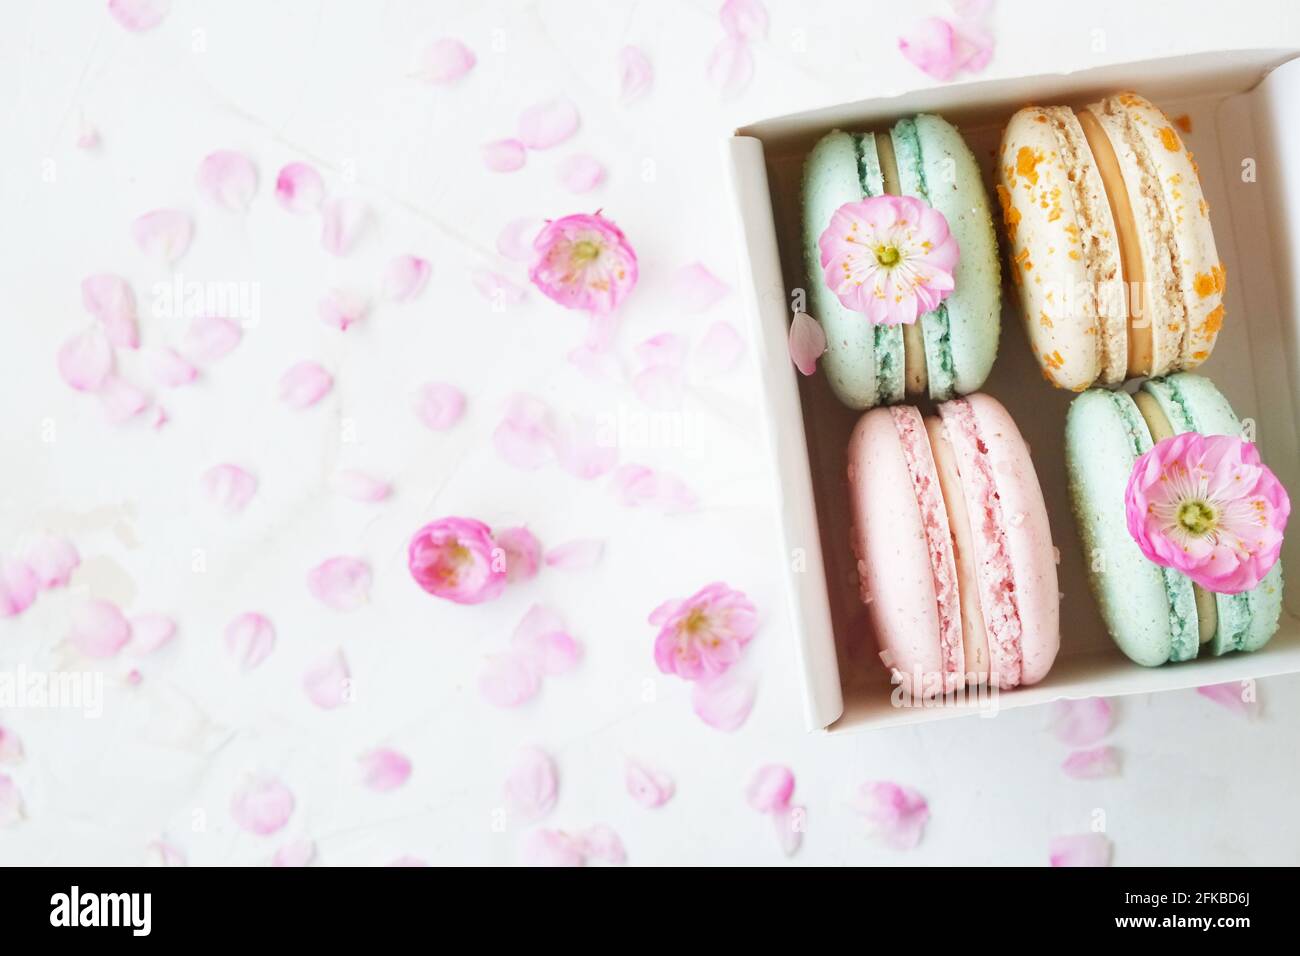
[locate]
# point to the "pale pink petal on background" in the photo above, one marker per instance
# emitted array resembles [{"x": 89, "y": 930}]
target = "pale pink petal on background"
[
  {"x": 719, "y": 350},
  {"x": 896, "y": 815},
  {"x": 532, "y": 787},
  {"x": 343, "y": 220},
  {"x": 600, "y": 842},
  {"x": 542, "y": 643},
  {"x": 1231, "y": 695},
  {"x": 725, "y": 702},
  {"x": 551, "y": 848},
  {"x": 731, "y": 67},
  {"x": 405, "y": 277},
  {"x": 597, "y": 364},
  {"x": 211, "y": 337},
  {"x": 98, "y": 628},
  {"x": 295, "y": 854},
  {"x": 647, "y": 786},
  {"x": 52, "y": 559},
  {"x": 497, "y": 289},
  {"x": 770, "y": 789},
  {"x": 11, "y": 747},
  {"x": 665, "y": 348},
  {"x": 515, "y": 241},
  {"x": 445, "y": 60},
  {"x": 161, "y": 852},
  {"x": 109, "y": 298},
  {"x": 583, "y": 450},
  {"x": 342, "y": 583},
  {"x": 149, "y": 632},
  {"x": 160, "y": 417},
  {"x": 807, "y": 342},
  {"x": 250, "y": 638},
  {"x": 525, "y": 435},
  {"x": 229, "y": 487},
  {"x": 974, "y": 45},
  {"x": 384, "y": 769},
  {"x": 508, "y": 681},
  {"x": 439, "y": 406},
  {"x": 341, "y": 309},
  {"x": 579, "y": 555},
  {"x": 744, "y": 19},
  {"x": 299, "y": 188},
  {"x": 971, "y": 9},
  {"x": 11, "y": 802},
  {"x": 169, "y": 368},
  {"x": 638, "y": 486},
  {"x": 1081, "y": 723},
  {"x": 139, "y": 16},
  {"x": 523, "y": 553},
  {"x": 360, "y": 486},
  {"x": 1092, "y": 764},
  {"x": 790, "y": 823},
  {"x": 1083, "y": 849},
  {"x": 636, "y": 74},
  {"x": 88, "y": 137},
  {"x": 660, "y": 386},
  {"x": 163, "y": 234},
  {"x": 504, "y": 155},
  {"x": 85, "y": 360},
  {"x": 18, "y": 586},
  {"x": 228, "y": 178},
  {"x": 581, "y": 173},
  {"x": 261, "y": 805},
  {"x": 305, "y": 384},
  {"x": 548, "y": 123},
  {"x": 931, "y": 46},
  {"x": 696, "y": 289},
  {"x": 121, "y": 400},
  {"x": 327, "y": 683}
]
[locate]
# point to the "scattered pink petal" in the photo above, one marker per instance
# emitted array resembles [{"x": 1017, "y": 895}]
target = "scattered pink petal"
[
  {"x": 360, "y": 486},
  {"x": 583, "y": 450},
  {"x": 731, "y": 67},
  {"x": 581, "y": 173},
  {"x": 211, "y": 337},
  {"x": 515, "y": 241},
  {"x": 384, "y": 769},
  {"x": 638, "y": 486},
  {"x": 18, "y": 586},
  {"x": 160, "y": 417},
  {"x": 744, "y": 19},
  {"x": 295, "y": 854},
  {"x": 439, "y": 405},
  {"x": 11, "y": 747},
  {"x": 86, "y": 359},
  {"x": 532, "y": 787},
  {"x": 931, "y": 46},
  {"x": 109, "y": 298},
  {"x": 790, "y": 823},
  {"x": 261, "y": 805},
  {"x": 548, "y": 123},
  {"x": 299, "y": 188},
  {"x": 896, "y": 814},
  {"x": 341, "y": 309},
  {"x": 552, "y": 848},
  {"x": 719, "y": 350},
  {"x": 497, "y": 289},
  {"x": 580, "y": 555},
  {"x": 88, "y": 138},
  {"x": 11, "y": 803},
  {"x": 121, "y": 399},
  {"x": 650, "y": 788},
  {"x": 1231, "y": 695},
  {"x": 1081, "y": 723},
  {"x": 343, "y": 219},
  {"x": 696, "y": 289},
  {"x": 724, "y": 702},
  {"x": 525, "y": 436},
  {"x": 163, "y": 234},
  {"x": 508, "y": 681},
  {"x": 229, "y": 487},
  {"x": 228, "y": 178},
  {"x": 445, "y": 60},
  {"x": 541, "y": 642},
  {"x": 305, "y": 384},
  {"x": 342, "y": 583},
  {"x": 770, "y": 789},
  {"x": 1083, "y": 849},
  {"x": 636, "y": 74},
  {"x": 523, "y": 553},
  {"x": 660, "y": 386},
  {"x": 1092, "y": 764},
  {"x": 149, "y": 632},
  {"x": 328, "y": 683},
  {"x": 664, "y": 349},
  {"x": 599, "y": 365},
  {"x": 600, "y": 842},
  {"x": 971, "y": 9},
  {"x": 807, "y": 342},
  {"x": 53, "y": 559},
  {"x": 168, "y": 368},
  {"x": 138, "y": 16},
  {"x": 973, "y": 46},
  {"x": 504, "y": 155},
  {"x": 405, "y": 278},
  {"x": 250, "y": 638},
  {"x": 160, "y": 852},
  {"x": 98, "y": 628}
]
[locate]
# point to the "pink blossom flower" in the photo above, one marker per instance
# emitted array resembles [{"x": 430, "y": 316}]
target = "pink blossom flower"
[
  {"x": 1207, "y": 506},
  {"x": 457, "y": 559},
  {"x": 702, "y": 636},
  {"x": 584, "y": 262},
  {"x": 889, "y": 257}
]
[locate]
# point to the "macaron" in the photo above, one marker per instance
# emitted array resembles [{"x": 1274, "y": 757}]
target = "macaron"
[
  {"x": 1110, "y": 242},
  {"x": 1155, "y": 614},
  {"x": 946, "y": 352},
  {"x": 955, "y": 555}
]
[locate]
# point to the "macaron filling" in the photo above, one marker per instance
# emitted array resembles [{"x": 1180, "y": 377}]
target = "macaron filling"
[{"x": 888, "y": 345}]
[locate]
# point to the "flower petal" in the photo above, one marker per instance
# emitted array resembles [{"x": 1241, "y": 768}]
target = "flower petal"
[
  {"x": 19, "y": 585},
  {"x": 931, "y": 46},
  {"x": 583, "y": 450},
  {"x": 581, "y": 173},
  {"x": 1092, "y": 764},
  {"x": 770, "y": 789},
  {"x": 295, "y": 854},
  {"x": 636, "y": 74},
  {"x": 405, "y": 278},
  {"x": 228, "y": 178},
  {"x": 163, "y": 853},
  {"x": 522, "y": 553},
  {"x": 504, "y": 155},
  {"x": 1232, "y": 695},
  {"x": 384, "y": 769},
  {"x": 229, "y": 487},
  {"x": 299, "y": 188},
  {"x": 497, "y": 289},
  {"x": 328, "y": 683},
  {"x": 11, "y": 747},
  {"x": 341, "y": 309},
  {"x": 895, "y": 814},
  {"x": 724, "y": 702},
  {"x": 250, "y": 638},
  {"x": 109, "y": 298},
  {"x": 138, "y": 16},
  {"x": 579, "y": 555},
  {"x": 515, "y": 241},
  {"x": 508, "y": 681},
  {"x": 52, "y": 559},
  {"x": 168, "y": 368},
  {"x": 343, "y": 220},
  {"x": 807, "y": 342},
  {"x": 541, "y": 643},
  {"x": 360, "y": 486},
  {"x": 719, "y": 351},
  {"x": 439, "y": 405},
  {"x": 149, "y": 632},
  {"x": 211, "y": 337},
  {"x": 163, "y": 234},
  {"x": 526, "y": 433},
  {"x": 648, "y": 787},
  {"x": 790, "y": 823},
  {"x": 551, "y": 848},
  {"x": 744, "y": 19},
  {"x": 99, "y": 629},
  {"x": 696, "y": 289},
  {"x": 600, "y": 842},
  {"x": 533, "y": 786},
  {"x": 342, "y": 583},
  {"x": 731, "y": 67},
  {"x": 638, "y": 486},
  {"x": 85, "y": 360},
  {"x": 444, "y": 61},
  {"x": 261, "y": 805},
  {"x": 121, "y": 400},
  {"x": 1083, "y": 849},
  {"x": 1081, "y": 723},
  {"x": 305, "y": 384},
  {"x": 11, "y": 802},
  {"x": 548, "y": 123}
]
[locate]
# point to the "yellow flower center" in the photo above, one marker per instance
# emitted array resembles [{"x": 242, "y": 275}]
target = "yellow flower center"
[
  {"x": 584, "y": 251},
  {"x": 1196, "y": 517},
  {"x": 887, "y": 255}
]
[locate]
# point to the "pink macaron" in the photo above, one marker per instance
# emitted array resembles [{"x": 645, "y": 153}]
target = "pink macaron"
[{"x": 954, "y": 551}]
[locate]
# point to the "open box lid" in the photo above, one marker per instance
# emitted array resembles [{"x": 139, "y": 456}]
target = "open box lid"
[{"x": 1244, "y": 99}]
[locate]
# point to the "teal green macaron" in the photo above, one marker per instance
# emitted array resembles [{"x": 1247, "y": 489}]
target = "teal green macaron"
[
  {"x": 1154, "y": 614},
  {"x": 928, "y": 158}
]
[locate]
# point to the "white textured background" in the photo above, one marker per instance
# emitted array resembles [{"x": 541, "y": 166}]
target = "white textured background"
[{"x": 329, "y": 82}]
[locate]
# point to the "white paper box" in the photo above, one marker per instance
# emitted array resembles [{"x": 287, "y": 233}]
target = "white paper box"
[{"x": 1242, "y": 106}]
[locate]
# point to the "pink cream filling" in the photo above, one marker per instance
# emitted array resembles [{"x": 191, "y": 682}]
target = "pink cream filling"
[
  {"x": 996, "y": 576},
  {"x": 938, "y": 539}
]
